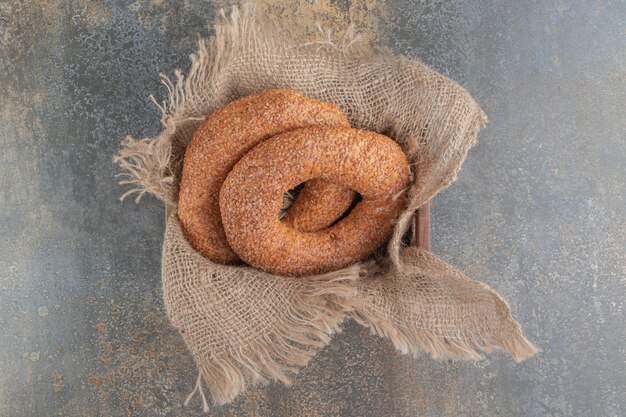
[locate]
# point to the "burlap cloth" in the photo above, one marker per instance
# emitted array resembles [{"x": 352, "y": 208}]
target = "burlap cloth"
[{"x": 244, "y": 326}]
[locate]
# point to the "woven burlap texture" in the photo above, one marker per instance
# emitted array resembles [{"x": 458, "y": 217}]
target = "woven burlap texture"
[{"x": 244, "y": 326}]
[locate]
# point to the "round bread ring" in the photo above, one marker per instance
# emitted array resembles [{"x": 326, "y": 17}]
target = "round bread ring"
[
  {"x": 223, "y": 138},
  {"x": 367, "y": 162}
]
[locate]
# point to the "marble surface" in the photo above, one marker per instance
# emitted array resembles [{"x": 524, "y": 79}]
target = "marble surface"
[{"x": 537, "y": 213}]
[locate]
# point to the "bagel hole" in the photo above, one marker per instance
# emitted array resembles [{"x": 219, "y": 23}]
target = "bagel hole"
[
  {"x": 345, "y": 214},
  {"x": 288, "y": 198},
  {"x": 292, "y": 194}
]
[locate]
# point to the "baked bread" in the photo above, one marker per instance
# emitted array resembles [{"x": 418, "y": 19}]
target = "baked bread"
[
  {"x": 369, "y": 163},
  {"x": 223, "y": 138}
]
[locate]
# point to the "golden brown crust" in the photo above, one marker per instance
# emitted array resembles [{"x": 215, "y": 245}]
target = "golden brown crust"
[
  {"x": 367, "y": 162},
  {"x": 222, "y": 139}
]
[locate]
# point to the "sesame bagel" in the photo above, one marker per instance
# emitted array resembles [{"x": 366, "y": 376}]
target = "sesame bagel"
[
  {"x": 223, "y": 138},
  {"x": 369, "y": 163}
]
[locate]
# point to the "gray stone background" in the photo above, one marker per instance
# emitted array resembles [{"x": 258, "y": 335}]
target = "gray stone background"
[{"x": 538, "y": 211}]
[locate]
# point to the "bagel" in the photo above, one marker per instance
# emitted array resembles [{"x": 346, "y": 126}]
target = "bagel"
[
  {"x": 223, "y": 138},
  {"x": 369, "y": 163}
]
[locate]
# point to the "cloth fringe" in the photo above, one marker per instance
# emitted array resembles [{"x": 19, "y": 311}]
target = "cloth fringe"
[
  {"x": 416, "y": 340},
  {"x": 281, "y": 352}
]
